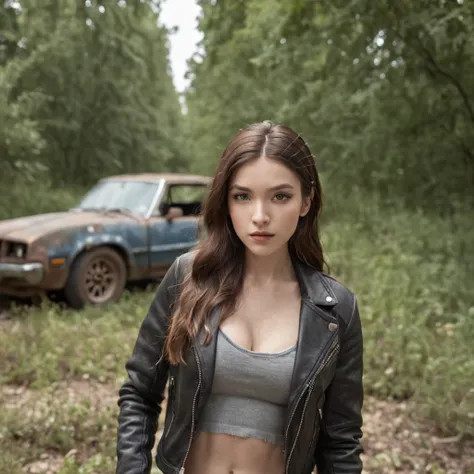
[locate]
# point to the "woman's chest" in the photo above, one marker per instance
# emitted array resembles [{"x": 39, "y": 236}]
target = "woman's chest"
[{"x": 265, "y": 323}]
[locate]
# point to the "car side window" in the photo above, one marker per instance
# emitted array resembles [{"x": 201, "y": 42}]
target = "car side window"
[{"x": 189, "y": 198}]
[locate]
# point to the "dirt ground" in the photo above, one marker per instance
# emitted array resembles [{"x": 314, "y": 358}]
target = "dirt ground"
[{"x": 394, "y": 441}]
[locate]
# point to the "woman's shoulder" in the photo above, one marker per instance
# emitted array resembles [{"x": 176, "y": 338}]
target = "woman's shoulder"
[
  {"x": 182, "y": 265},
  {"x": 184, "y": 261}
]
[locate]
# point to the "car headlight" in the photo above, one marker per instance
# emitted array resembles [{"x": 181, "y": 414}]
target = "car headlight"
[{"x": 17, "y": 250}]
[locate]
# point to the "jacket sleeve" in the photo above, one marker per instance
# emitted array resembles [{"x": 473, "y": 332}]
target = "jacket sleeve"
[
  {"x": 338, "y": 449},
  {"x": 140, "y": 397}
]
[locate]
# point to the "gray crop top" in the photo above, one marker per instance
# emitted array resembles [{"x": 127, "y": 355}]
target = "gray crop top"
[{"x": 250, "y": 392}]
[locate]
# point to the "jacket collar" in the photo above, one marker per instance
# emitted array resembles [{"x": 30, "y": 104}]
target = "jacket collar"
[{"x": 313, "y": 287}]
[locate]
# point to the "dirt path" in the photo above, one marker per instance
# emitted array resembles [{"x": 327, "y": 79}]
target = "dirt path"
[{"x": 393, "y": 441}]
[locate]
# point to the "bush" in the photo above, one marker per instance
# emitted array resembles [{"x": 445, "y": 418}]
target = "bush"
[
  {"x": 413, "y": 279},
  {"x": 30, "y": 197}
]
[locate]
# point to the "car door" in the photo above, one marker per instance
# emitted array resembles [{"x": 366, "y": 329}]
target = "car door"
[{"x": 171, "y": 238}]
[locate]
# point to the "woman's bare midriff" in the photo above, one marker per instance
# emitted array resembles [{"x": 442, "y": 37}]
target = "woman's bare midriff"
[{"x": 216, "y": 453}]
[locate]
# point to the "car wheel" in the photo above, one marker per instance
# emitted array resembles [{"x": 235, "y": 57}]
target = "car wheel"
[{"x": 97, "y": 277}]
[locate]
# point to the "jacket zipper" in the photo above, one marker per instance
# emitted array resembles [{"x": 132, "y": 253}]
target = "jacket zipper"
[
  {"x": 193, "y": 412},
  {"x": 171, "y": 400},
  {"x": 333, "y": 350},
  {"x": 299, "y": 399}
]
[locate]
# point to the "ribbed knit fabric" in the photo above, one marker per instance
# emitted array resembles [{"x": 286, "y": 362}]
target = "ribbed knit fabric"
[{"x": 249, "y": 393}]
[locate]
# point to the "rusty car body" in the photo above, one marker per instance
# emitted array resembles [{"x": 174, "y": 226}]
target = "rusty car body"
[{"x": 126, "y": 228}]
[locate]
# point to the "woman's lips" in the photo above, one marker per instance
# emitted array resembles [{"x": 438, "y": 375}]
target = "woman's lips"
[{"x": 261, "y": 237}]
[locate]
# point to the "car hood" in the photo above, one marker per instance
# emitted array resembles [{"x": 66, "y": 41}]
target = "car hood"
[{"x": 28, "y": 229}]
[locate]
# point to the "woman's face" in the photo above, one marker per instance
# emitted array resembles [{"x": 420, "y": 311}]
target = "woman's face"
[{"x": 265, "y": 203}]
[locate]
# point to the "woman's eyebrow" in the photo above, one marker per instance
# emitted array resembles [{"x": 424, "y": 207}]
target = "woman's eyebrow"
[{"x": 273, "y": 188}]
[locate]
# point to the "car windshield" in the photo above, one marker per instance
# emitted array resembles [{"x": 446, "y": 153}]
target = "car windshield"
[{"x": 135, "y": 196}]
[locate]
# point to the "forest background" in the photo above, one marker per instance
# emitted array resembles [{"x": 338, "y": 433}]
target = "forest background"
[{"x": 383, "y": 92}]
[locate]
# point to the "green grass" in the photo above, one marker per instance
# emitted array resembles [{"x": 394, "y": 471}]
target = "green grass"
[
  {"x": 49, "y": 343},
  {"x": 413, "y": 274}
]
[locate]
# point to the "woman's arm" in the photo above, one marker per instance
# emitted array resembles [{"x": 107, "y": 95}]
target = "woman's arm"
[
  {"x": 141, "y": 395},
  {"x": 338, "y": 449}
]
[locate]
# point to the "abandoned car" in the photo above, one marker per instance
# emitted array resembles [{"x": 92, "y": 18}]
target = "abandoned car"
[{"x": 126, "y": 228}]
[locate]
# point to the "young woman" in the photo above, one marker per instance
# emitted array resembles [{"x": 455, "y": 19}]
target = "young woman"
[{"x": 263, "y": 351}]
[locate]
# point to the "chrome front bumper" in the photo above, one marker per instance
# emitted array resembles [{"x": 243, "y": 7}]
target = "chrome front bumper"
[{"x": 31, "y": 273}]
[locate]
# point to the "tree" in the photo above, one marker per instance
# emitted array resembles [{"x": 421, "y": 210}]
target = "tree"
[
  {"x": 382, "y": 92},
  {"x": 108, "y": 102}
]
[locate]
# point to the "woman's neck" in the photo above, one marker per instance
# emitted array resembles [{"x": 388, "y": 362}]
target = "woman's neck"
[{"x": 269, "y": 269}]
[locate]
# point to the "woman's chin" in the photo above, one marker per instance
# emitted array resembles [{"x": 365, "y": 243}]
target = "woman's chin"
[{"x": 264, "y": 249}]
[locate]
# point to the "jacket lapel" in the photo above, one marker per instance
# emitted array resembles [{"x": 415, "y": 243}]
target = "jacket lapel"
[{"x": 317, "y": 325}]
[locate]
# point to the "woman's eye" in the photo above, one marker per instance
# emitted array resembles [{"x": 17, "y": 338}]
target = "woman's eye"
[
  {"x": 240, "y": 197},
  {"x": 281, "y": 197}
]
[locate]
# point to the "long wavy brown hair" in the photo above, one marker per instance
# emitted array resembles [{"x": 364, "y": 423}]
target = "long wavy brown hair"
[{"x": 217, "y": 271}]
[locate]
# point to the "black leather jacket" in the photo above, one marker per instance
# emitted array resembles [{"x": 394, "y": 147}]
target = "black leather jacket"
[{"x": 324, "y": 410}]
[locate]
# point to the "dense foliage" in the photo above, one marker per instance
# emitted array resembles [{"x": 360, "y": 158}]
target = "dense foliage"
[
  {"x": 85, "y": 91},
  {"x": 382, "y": 91}
]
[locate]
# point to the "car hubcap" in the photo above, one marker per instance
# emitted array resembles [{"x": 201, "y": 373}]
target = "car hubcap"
[{"x": 101, "y": 280}]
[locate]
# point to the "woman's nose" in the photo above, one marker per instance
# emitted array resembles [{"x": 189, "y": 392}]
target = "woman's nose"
[{"x": 260, "y": 216}]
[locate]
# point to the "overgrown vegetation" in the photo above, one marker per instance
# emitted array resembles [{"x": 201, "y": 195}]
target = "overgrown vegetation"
[
  {"x": 418, "y": 324},
  {"x": 50, "y": 344},
  {"x": 406, "y": 269},
  {"x": 30, "y": 197},
  {"x": 410, "y": 273}
]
